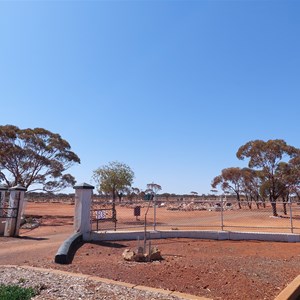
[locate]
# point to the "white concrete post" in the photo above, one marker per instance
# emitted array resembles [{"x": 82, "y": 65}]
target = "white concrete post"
[
  {"x": 15, "y": 207},
  {"x": 3, "y": 190},
  {"x": 82, "y": 218}
]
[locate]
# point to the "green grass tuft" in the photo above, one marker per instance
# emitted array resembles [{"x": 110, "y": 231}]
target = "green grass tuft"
[{"x": 14, "y": 292}]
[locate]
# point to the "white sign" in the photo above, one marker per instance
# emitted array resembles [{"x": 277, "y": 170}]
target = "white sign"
[{"x": 100, "y": 214}]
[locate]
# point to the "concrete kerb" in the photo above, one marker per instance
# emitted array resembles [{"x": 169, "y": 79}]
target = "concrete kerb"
[
  {"x": 68, "y": 248},
  {"x": 291, "y": 292},
  {"x": 194, "y": 234},
  {"x": 113, "y": 282}
]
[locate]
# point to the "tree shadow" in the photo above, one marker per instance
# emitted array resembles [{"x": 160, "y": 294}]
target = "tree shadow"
[
  {"x": 141, "y": 222},
  {"x": 294, "y": 217},
  {"x": 32, "y": 238},
  {"x": 107, "y": 244}
]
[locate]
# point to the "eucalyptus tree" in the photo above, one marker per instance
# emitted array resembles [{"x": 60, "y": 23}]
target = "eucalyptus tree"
[
  {"x": 230, "y": 180},
  {"x": 266, "y": 158},
  {"x": 251, "y": 187},
  {"x": 35, "y": 157},
  {"x": 154, "y": 187},
  {"x": 114, "y": 178},
  {"x": 294, "y": 178},
  {"x": 290, "y": 178},
  {"x": 135, "y": 192}
]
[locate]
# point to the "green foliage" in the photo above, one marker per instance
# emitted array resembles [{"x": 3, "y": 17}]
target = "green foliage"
[
  {"x": 154, "y": 187},
  {"x": 266, "y": 155},
  {"x": 273, "y": 171},
  {"x": 113, "y": 178},
  {"x": 35, "y": 156},
  {"x": 230, "y": 180},
  {"x": 269, "y": 158},
  {"x": 148, "y": 197},
  {"x": 14, "y": 292}
]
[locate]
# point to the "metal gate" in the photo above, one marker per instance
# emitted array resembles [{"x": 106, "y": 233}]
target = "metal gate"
[{"x": 103, "y": 215}]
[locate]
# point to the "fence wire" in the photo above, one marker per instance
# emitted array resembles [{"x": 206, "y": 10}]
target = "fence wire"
[{"x": 215, "y": 214}]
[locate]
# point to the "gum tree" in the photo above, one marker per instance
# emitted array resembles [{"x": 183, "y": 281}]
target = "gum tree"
[
  {"x": 154, "y": 187},
  {"x": 35, "y": 157},
  {"x": 113, "y": 178},
  {"x": 230, "y": 180},
  {"x": 293, "y": 176},
  {"x": 266, "y": 157},
  {"x": 251, "y": 187}
]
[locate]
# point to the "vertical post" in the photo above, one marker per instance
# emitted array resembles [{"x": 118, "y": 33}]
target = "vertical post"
[
  {"x": 82, "y": 217},
  {"x": 154, "y": 224},
  {"x": 222, "y": 214},
  {"x": 15, "y": 207},
  {"x": 291, "y": 216},
  {"x": 3, "y": 190}
]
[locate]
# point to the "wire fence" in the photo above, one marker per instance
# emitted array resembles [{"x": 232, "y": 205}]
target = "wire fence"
[{"x": 216, "y": 214}]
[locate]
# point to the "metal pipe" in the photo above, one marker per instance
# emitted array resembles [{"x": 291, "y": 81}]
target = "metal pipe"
[
  {"x": 222, "y": 215},
  {"x": 291, "y": 216},
  {"x": 154, "y": 224},
  {"x": 145, "y": 226}
]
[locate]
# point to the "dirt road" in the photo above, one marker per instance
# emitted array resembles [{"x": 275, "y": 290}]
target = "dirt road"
[{"x": 35, "y": 245}]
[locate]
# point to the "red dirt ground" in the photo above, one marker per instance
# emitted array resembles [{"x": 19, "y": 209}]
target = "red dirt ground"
[{"x": 215, "y": 269}]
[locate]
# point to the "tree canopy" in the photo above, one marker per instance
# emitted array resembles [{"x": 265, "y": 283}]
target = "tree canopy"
[
  {"x": 35, "y": 157},
  {"x": 230, "y": 180},
  {"x": 154, "y": 187},
  {"x": 113, "y": 178},
  {"x": 271, "y": 159},
  {"x": 273, "y": 171}
]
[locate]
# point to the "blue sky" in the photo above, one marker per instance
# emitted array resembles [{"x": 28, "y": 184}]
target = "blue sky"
[{"x": 171, "y": 88}]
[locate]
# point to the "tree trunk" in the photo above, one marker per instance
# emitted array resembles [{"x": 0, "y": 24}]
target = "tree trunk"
[
  {"x": 238, "y": 200},
  {"x": 298, "y": 196},
  {"x": 114, "y": 213},
  {"x": 274, "y": 208},
  {"x": 248, "y": 201},
  {"x": 284, "y": 208},
  {"x": 257, "y": 201},
  {"x": 284, "y": 204},
  {"x": 120, "y": 197}
]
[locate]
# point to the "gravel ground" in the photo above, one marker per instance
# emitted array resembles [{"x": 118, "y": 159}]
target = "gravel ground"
[{"x": 51, "y": 285}]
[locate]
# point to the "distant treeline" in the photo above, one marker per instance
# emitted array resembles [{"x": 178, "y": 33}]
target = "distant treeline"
[{"x": 70, "y": 198}]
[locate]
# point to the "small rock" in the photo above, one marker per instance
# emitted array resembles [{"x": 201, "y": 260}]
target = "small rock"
[
  {"x": 155, "y": 254},
  {"x": 139, "y": 257},
  {"x": 128, "y": 255}
]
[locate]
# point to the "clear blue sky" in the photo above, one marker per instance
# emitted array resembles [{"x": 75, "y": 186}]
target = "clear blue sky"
[{"x": 171, "y": 88}]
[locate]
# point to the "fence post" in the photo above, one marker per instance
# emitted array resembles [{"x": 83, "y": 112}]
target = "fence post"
[
  {"x": 82, "y": 217},
  {"x": 291, "y": 216},
  {"x": 15, "y": 207},
  {"x": 154, "y": 223},
  {"x": 3, "y": 190},
  {"x": 222, "y": 215}
]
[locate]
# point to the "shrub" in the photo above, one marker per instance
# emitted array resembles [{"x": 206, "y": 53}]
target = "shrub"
[{"x": 14, "y": 292}]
